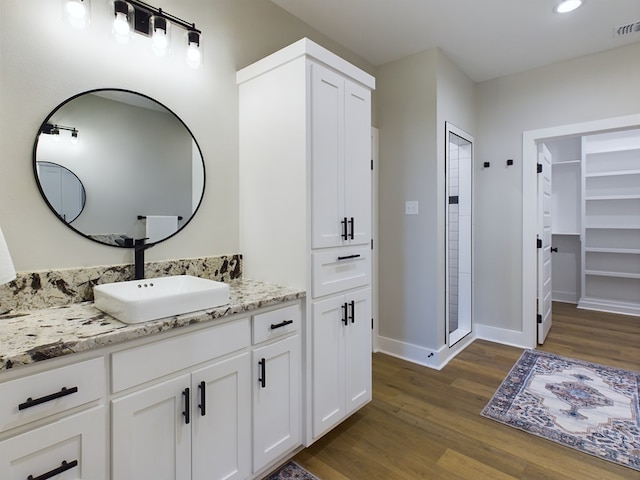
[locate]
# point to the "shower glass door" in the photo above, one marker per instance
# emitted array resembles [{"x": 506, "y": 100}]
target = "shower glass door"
[{"x": 459, "y": 233}]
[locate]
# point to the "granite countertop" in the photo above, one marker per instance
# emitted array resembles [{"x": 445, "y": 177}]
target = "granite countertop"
[{"x": 32, "y": 336}]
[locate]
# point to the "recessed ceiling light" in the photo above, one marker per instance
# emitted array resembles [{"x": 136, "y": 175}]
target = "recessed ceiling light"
[{"x": 567, "y": 6}]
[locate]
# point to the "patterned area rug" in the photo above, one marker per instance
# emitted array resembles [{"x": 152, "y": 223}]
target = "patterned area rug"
[
  {"x": 291, "y": 470},
  {"x": 582, "y": 405}
]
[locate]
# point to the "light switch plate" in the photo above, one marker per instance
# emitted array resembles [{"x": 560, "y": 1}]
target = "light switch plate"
[{"x": 411, "y": 207}]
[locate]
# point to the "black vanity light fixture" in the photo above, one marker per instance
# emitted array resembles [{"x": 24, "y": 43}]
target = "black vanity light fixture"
[
  {"x": 54, "y": 129},
  {"x": 134, "y": 16}
]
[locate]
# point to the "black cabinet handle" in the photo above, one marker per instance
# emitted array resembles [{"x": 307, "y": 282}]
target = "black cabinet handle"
[
  {"x": 344, "y": 314},
  {"x": 56, "y": 471},
  {"x": 352, "y": 317},
  {"x": 30, "y": 402},
  {"x": 345, "y": 235},
  {"x": 351, "y": 222},
  {"x": 262, "y": 379},
  {"x": 281, "y": 324},
  {"x": 349, "y": 257},
  {"x": 187, "y": 406},
  {"x": 203, "y": 398}
]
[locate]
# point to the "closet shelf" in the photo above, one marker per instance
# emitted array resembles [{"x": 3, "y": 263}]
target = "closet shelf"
[
  {"x": 602, "y": 273},
  {"x": 566, "y": 233},
  {"x": 611, "y": 197},
  {"x": 623, "y": 147},
  {"x": 635, "y": 251},
  {"x": 568, "y": 162},
  {"x": 612, "y": 173},
  {"x": 613, "y": 227}
]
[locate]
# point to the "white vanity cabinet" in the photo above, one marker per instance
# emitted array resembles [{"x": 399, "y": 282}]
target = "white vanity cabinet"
[
  {"x": 276, "y": 384},
  {"x": 61, "y": 416},
  {"x": 305, "y": 200},
  {"x": 341, "y": 154},
  {"x": 341, "y": 357},
  {"x": 193, "y": 425}
]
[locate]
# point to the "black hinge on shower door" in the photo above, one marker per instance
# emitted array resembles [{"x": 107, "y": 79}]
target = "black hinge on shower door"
[
  {"x": 538, "y": 242},
  {"x": 539, "y": 318},
  {"x": 539, "y": 168},
  {"x": 453, "y": 200}
]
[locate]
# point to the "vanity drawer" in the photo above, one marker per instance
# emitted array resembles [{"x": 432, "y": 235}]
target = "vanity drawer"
[
  {"x": 145, "y": 363},
  {"x": 276, "y": 323},
  {"x": 341, "y": 269},
  {"x": 43, "y": 394}
]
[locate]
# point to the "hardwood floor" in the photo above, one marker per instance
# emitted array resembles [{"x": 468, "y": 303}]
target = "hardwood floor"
[{"x": 426, "y": 424}]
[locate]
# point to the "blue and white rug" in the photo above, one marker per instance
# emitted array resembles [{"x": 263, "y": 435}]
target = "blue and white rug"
[
  {"x": 291, "y": 470},
  {"x": 581, "y": 405}
]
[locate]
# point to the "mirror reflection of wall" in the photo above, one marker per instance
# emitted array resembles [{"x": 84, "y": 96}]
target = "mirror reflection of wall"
[{"x": 134, "y": 157}]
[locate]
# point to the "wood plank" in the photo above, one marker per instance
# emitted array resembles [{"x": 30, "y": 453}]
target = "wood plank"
[{"x": 424, "y": 423}]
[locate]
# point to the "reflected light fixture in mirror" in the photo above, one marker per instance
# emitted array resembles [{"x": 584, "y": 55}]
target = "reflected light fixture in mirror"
[
  {"x": 76, "y": 13},
  {"x": 7, "y": 271}
]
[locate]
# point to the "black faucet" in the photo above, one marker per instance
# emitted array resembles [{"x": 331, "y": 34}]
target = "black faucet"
[{"x": 138, "y": 254}]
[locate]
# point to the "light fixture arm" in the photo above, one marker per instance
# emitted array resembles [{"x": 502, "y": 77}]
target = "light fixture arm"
[{"x": 144, "y": 11}]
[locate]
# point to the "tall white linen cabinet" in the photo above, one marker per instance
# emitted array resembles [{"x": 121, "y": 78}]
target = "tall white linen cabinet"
[{"x": 305, "y": 213}]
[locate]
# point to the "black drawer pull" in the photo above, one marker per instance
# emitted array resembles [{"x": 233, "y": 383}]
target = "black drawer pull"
[
  {"x": 187, "y": 406},
  {"x": 262, "y": 379},
  {"x": 56, "y": 471},
  {"x": 349, "y": 257},
  {"x": 32, "y": 403},
  {"x": 203, "y": 398},
  {"x": 352, "y": 304},
  {"x": 281, "y": 324}
]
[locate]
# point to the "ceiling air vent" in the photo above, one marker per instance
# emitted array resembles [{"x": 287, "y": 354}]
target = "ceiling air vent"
[{"x": 627, "y": 29}]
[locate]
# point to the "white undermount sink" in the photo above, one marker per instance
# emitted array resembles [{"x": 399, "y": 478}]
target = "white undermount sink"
[{"x": 139, "y": 301}]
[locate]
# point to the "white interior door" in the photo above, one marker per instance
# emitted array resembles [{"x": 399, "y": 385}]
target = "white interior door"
[{"x": 544, "y": 243}]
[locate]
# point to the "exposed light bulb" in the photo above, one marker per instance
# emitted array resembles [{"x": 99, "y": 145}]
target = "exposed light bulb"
[
  {"x": 76, "y": 13},
  {"x": 194, "y": 51},
  {"x": 160, "y": 36},
  {"x": 194, "y": 57},
  {"x": 74, "y": 137},
  {"x": 121, "y": 25},
  {"x": 567, "y": 6}
]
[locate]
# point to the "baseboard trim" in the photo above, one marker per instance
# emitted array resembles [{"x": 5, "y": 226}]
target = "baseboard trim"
[
  {"x": 623, "y": 308},
  {"x": 565, "y": 297},
  {"x": 435, "y": 359},
  {"x": 513, "y": 338}
]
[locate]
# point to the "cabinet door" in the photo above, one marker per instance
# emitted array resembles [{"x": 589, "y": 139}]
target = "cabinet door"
[
  {"x": 327, "y": 157},
  {"x": 74, "y": 447},
  {"x": 357, "y": 162},
  {"x": 328, "y": 363},
  {"x": 151, "y": 437},
  {"x": 221, "y": 442},
  {"x": 358, "y": 350},
  {"x": 276, "y": 400}
]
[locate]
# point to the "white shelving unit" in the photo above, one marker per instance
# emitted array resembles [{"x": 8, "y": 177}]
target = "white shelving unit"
[
  {"x": 611, "y": 222},
  {"x": 566, "y": 208}
]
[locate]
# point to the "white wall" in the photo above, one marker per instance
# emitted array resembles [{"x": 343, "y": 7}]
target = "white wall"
[
  {"x": 43, "y": 62},
  {"x": 589, "y": 88},
  {"x": 416, "y": 95}
]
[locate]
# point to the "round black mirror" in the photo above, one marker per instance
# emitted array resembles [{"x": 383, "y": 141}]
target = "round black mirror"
[{"x": 140, "y": 167}]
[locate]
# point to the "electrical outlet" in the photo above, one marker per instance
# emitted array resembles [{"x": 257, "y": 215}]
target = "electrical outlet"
[{"x": 411, "y": 207}]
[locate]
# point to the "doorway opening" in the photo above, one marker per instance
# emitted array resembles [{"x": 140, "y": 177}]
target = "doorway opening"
[
  {"x": 458, "y": 234},
  {"x": 531, "y": 141}
]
